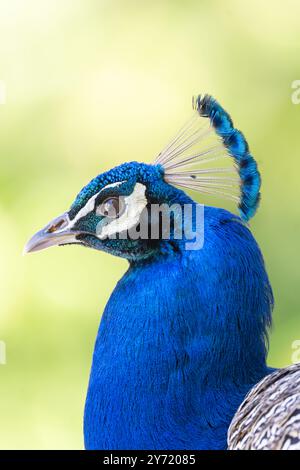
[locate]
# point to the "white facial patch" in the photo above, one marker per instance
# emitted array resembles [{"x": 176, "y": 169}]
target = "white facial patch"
[
  {"x": 89, "y": 207},
  {"x": 134, "y": 206}
]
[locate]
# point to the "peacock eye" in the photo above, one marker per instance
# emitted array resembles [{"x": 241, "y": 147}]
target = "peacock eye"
[{"x": 111, "y": 207}]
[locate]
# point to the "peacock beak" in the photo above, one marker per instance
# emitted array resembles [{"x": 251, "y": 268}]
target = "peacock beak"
[{"x": 57, "y": 232}]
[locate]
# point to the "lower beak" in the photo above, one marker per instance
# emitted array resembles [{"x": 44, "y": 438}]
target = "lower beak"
[{"x": 57, "y": 232}]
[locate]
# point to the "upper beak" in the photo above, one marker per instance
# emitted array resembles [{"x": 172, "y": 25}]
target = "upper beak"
[{"x": 57, "y": 232}]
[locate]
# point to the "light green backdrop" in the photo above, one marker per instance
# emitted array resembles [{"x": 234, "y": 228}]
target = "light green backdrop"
[{"x": 91, "y": 84}]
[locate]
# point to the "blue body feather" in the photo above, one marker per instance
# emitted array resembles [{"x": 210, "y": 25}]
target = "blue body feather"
[{"x": 181, "y": 341}]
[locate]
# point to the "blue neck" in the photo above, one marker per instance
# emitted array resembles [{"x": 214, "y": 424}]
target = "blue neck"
[{"x": 181, "y": 341}]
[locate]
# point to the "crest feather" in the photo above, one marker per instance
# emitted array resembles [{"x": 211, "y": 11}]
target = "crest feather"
[{"x": 210, "y": 156}]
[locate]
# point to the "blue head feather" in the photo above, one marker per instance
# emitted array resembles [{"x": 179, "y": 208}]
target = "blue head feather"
[{"x": 157, "y": 192}]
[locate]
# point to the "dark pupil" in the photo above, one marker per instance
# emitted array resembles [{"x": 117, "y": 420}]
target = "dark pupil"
[{"x": 111, "y": 207}]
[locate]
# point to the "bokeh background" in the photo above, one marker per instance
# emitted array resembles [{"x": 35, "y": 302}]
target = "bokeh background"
[{"x": 91, "y": 84}]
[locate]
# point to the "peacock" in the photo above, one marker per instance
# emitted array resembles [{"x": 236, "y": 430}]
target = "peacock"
[{"x": 180, "y": 355}]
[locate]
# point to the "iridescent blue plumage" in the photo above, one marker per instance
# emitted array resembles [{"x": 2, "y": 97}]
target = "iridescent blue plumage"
[{"x": 181, "y": 341}]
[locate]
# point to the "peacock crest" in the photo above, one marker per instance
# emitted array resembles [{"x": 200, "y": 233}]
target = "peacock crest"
[{"x": 211, "y": 156}]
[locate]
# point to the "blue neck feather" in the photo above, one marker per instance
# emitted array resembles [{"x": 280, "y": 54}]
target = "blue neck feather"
[{"x": 181, "y": 341}]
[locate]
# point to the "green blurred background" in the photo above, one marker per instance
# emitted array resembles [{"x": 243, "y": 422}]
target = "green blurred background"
[{"x": 91, "y": 84}]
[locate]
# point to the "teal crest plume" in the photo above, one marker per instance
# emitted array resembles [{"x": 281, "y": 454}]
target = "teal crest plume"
[{"x": 210, "y": 156}]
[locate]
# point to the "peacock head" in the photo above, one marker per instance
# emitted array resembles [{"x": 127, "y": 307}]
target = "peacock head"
[
  {"x": 113, "y": 213},
  {"x": 126, "y": 210}
]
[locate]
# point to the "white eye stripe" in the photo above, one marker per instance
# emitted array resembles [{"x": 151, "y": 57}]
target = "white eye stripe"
[
  {"x": 135, "y": 204},
  {"x": 89, "y": 206}
]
